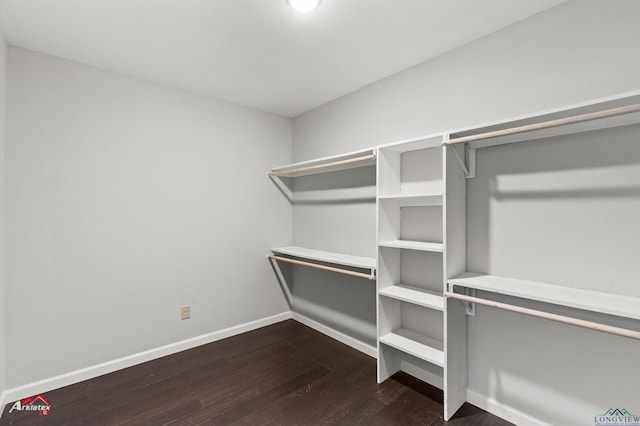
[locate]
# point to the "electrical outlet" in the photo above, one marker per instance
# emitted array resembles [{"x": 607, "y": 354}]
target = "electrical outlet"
[{"x": 185, "y": 312}]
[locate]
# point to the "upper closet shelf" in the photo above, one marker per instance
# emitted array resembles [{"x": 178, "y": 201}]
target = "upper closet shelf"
[
  {"x": 614, "y": 113},
  {"x": 424, "y": 142},
  {"x": 328, "y": 257},
  {"x": 606, "y": 303},
  {"x": 326, "y": 164},
  {"x": 415, "y": 200},
  {"x": 413, "y": 245}
]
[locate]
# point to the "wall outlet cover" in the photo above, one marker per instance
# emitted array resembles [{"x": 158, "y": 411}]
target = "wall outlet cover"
[{"x": 185, "y": 312}]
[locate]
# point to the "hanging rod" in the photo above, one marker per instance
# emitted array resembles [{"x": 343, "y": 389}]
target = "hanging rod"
[
  {"x": 548, "y": 124},
  {"x": 546, "y": 315},
  {"x": 325, "y": 165},
  {"x": 323, "y": 267}
]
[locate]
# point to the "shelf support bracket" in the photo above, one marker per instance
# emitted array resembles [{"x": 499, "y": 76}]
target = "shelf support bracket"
[
  {"x": 468, "y": 165},
  {"x": 470, "y": 154},
  {"x": 282, "y": 187},
  {"x": 469, "y": 307},
  {"x": 280, "y": 276}
]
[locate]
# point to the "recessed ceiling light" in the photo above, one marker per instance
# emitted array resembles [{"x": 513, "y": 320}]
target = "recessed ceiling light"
[{"x": 304, "y": 5}]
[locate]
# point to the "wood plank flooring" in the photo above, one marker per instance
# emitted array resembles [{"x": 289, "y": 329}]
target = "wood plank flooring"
[{"x": 284, "y": 374}]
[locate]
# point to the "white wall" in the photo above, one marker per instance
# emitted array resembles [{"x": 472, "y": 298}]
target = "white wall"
[
  {"x": 3, "y": 92},
  {"x": 336, "y": 212},
  {"x": 574, "y": 52},
  {"x": 577, "y": 51},
  {"x": 126, "y": 200}
]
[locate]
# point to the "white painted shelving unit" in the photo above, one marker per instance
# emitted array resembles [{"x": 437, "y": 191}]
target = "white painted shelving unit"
[
  {"x": 415, "y": 184},
  {"x": 421, "y": 244}
]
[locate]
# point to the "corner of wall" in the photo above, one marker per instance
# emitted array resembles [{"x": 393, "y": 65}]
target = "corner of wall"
[{"x": 3, "y": 93}]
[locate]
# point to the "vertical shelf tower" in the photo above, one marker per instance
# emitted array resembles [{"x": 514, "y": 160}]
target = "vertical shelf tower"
[{"x": 421, "y": 244}]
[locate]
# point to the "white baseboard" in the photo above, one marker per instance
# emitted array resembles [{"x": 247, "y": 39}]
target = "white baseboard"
[
  {"x": 486, "y": 403},
  {"x": 3, "y": 399},
  {"x": 508, "y": 413},
  {"x": 80, "y": 375},
  {"x": 372, "y": 351},
  {"x": 46, "y": 385}
]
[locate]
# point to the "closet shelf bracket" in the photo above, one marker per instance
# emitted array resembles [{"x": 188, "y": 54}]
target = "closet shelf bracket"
[
  {"x": 469, "y": 306},
  {"x": 469, "y": 163},
  {"x": 467, "y": 298}
]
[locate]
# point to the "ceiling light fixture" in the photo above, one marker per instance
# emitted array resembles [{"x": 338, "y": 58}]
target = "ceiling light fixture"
[{"x": 304, "y": 5}]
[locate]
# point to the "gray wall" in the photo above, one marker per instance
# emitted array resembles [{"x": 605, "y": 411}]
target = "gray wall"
[
  {"x": 338, "y": 215},
  {"x": 577, "y": 51},
  {"x": 126, "y": 200},
  {"x": 3, "y": 91},
  {"x": 574, "y": 52}
]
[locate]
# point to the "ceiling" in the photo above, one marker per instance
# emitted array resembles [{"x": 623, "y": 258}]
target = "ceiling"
[{"x": 258, "y": 53}]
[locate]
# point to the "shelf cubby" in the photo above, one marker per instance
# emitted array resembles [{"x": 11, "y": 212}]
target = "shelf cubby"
[
  {"x": 411, "y": 276},
  {"x": 415, "y": 170},
  {"x": 412, "y": 329}
]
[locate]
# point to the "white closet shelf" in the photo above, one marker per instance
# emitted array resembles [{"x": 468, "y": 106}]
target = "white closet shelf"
[
  {"x": 328, "y": 257},
  {"x": 558, "y": 124},
  {"x": 589, "y": 300},
  {"x": 326, "y": 164},
  {"x": 415, "y": 344},
  {"x": 424, "y": 142},
  {"x": 414, "y": 295},
  {"x": 413, "y": 245},
  {"x": 415, "y": 200}
]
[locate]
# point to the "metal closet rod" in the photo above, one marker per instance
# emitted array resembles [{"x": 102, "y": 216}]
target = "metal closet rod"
[
  {"x": 324, "y": 165},
  {"x": 548, "y": 124},
  {"x": 323, "y": 267},
  {"x": 546, "y": 315}
]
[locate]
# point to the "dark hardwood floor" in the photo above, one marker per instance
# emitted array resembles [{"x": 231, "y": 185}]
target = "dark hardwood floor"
[{"x": 284, "y": 374}]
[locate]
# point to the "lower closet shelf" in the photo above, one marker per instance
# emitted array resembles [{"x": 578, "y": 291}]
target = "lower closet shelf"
[
  {"x": 294, "y": 254},
  {"x": 415, "y": 344},
  {"x": 326, "y": 256},
  {"x": 595, "y": 301}
]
